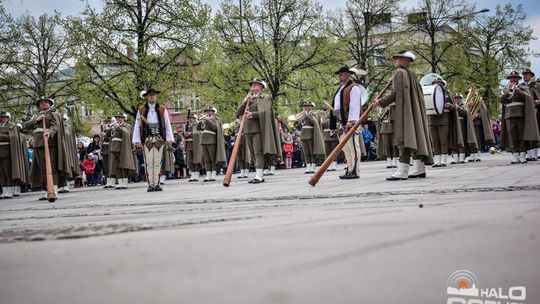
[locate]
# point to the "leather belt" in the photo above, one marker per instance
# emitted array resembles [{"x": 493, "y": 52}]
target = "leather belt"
[
  {"x": 307, "y": 127},
  {"x": 116, "y": 139},
  {"x": 516, "y": 103},
  {"x": 5, "y": 143},
  {"x": 208, "y": 131},
  {"x": 39, "y": 130}
]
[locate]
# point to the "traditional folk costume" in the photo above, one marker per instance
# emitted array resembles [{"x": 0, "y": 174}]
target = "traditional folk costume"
[
  {"x": 519, "y": 132},
  {"x": 121, "y": 156},
  {"x": 347, "y": 107},
  {"x": 212, "y": 143},
  {"x": 58, "y": 145},
  {"x": 261, "y": 131},
  {"x": 311, "y": 136},
  {"x": 13, "y": 157},
  {"x": 411, "y": 132},
  {"x": 153, "y": 130}
]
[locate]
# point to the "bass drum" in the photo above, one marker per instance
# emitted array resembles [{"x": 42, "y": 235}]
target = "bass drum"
[{"x": 434, "y": 99}]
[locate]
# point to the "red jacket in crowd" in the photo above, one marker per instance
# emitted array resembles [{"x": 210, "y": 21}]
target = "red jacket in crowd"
[
  {"x": 288, "y": 149},
  {"x": 89, "y": 166}
]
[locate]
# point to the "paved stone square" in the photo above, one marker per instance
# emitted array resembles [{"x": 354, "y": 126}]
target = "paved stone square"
[{"x": 283, "y": 241}]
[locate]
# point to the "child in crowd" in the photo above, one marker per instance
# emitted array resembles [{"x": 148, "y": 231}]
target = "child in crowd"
[{"x": 89, "y": 168}]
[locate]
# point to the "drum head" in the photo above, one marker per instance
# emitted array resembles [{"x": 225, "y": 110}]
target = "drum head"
[
  {"x": 438, "y": 99},
  {"x": 364, "y": 94},
  {"x": 428, "y": 79}
]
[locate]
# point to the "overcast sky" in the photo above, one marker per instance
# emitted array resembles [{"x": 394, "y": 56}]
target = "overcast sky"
[{"x": 74, "y": 7}]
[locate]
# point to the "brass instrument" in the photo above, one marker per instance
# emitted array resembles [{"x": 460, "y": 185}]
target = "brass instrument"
[
  {"x": 473, "y": 100},
  {"x": 229, "y": 128},
  {"x": 511, "y": 89},
  {"x": 292, "y": 120},
  {"x": 202, "y": 117}
]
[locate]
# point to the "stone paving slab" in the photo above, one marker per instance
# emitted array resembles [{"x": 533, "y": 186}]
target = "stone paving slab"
[{"x": 365, "y": 241}]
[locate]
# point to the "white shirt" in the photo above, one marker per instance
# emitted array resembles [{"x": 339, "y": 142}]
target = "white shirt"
[
  {"x": 152, "y": 118},
  {"x": 355, "y": 106}
]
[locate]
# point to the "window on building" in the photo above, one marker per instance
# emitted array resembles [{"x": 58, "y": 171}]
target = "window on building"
[
  {"x": 195, "y": 102},
  {"x": 178, "y": 105}
]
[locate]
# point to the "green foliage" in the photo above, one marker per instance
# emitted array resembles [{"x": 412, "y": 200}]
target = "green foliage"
[{"x": 133, "y": 45}]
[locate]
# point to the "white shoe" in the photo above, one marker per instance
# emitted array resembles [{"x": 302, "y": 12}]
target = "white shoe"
[
  {"x": 515, "y": 158},
  {"x": 17, "y": 191},
  {"x": 272, "y": 170},
  {"x": 266, "y": 172},
  {"x": 55, "y": 190},
  {"x": 194, "y": 176},
  {"x": 334, "y": 165},
  {"x": 122, "y": 183},
  {"x": 452, "y": 159},
  {"x": 7, "y": 192},
  {"x": 214, "y": 174},
  {"x": 388, "y": 163},
  {"x": 523, "y": 157},
  {"x": 259, "y": 175},
  {"x": 444, "y": 160},
  {"x": 395, "y": 162},
  {"x": 436, "y": 161},
  {"x": 419, "y": 170},
  {"x": 462, "y": 158},
  {"x": 308, "y": 169},
  {"x": 401, "y": 173}
]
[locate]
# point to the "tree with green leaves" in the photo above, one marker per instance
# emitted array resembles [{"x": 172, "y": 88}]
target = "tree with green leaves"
[
  {"x": 364, "y": 33},
  {"x": 277, "y": 39},
  {"x": 132, "y": 45},
  {"x": 434, "y": 20},
  {"x": 496, "y": 45},
  {"x": 38, "y": 60}
]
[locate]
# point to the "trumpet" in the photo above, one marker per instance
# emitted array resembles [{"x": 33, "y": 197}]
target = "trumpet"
[
  {"x": 511, "y": 89},
  {"x": 203, "y": 118}
]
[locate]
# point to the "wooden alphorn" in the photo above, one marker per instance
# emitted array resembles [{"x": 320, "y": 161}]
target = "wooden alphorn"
[{"x": 232, "y": 162}]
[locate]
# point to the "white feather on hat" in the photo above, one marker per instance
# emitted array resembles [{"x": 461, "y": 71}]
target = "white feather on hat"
[
  {"x": 358, "y": 72},
  {"x": 406, "y": 54},
  {"x": 6, "y": 114}
]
